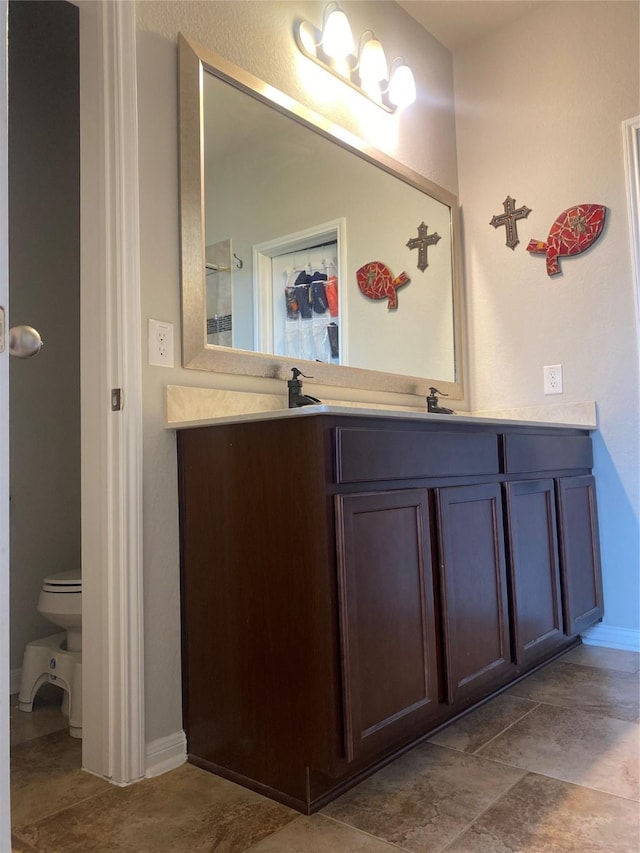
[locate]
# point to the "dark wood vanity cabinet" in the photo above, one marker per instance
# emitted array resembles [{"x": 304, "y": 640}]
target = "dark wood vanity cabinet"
[
  {"x": 475, "y": 607},
  {"x": 534, "y": 571},
  {"x": 581, "y": 576},
  {"x": 351, "y": 583},
  {"x": 388, "y": 635}
]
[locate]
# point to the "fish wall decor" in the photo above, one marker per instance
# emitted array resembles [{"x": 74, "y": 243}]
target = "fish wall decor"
[
  {"x": 574, "y": 230},
  {"x": 376, "y": 281}
]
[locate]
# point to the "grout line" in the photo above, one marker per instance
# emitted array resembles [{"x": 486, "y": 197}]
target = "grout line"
[
  {"x": 484, "y": 811},
  {"x": 527, "y": 770},
  {"x": 275, "y": 834},
  {"x": 594, "y": 711},
  {"x": 368, "y": 834},
  {"x": 612, "y": 669},
  {"x": 73, "y": 805},
  {"x": 590, "y": 788},
  {"x": 609, "y": 669},
  {"x": 510, "y": 726},
  {"x": 23, "y": 841},
  {"x": 18, "y": 743}
]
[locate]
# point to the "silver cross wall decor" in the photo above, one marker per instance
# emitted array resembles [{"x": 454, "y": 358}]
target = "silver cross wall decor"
[
  {"x": 421, "y": 242},
  {"x": 509, "y": 218}
]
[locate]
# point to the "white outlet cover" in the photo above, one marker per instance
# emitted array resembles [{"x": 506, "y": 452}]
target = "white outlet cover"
[
  {"x": 552, "y": 379},
  {"x": 160, "y": 343}
]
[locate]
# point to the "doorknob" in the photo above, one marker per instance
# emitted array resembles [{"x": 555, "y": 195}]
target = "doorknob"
[{"x": 24, "y": 341}]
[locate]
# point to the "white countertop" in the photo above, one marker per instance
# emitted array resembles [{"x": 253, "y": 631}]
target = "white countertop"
[{"x": 364, "y": 412}]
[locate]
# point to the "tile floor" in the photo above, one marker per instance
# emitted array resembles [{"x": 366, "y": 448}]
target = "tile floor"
[{"x": 547, "y": 767}]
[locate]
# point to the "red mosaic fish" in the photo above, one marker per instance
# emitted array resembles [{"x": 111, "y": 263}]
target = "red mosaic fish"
[
  {"x": 574, "y": 230},
  {"x": 376, "y": 281}
]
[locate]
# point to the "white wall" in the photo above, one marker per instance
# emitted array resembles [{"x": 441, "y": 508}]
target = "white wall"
[
  {"x": 258, "y": 37},
  {"x": 539, "y": 107}
]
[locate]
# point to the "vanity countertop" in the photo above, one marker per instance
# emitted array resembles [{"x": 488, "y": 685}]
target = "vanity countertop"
[{"x": 372, "y": 412}]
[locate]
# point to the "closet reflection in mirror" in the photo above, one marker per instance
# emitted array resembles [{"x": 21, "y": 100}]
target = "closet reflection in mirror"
[
  {"x": 276, "y": 190},
  {"x": 301, "y": 319}
]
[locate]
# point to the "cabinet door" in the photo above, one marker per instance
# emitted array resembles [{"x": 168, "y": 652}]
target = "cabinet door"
[
  {"x": 580, "y": 572},
  {"x": 473, "y": 588},
  {"x": 533, "y": 567},
  {"x": 385, "y": 583}
]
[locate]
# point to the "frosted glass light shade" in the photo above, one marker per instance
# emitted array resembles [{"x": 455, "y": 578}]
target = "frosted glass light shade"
[
  {"x": 402, "y": 88},
  {"x": 373, "y": 62},
  {"x": 337, "y": 38}
]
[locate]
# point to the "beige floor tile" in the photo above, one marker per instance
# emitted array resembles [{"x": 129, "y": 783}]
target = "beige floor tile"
[
  {"x": 624, "y": 661},
  {"x": 482, "y": 725},
  {"x": 184, "y": 811},
  {"x": 46, "y": 777},
  {"x": 541, "y": 815},
  {"x": 318, "y": 834},
  {"x": 425, "y": 798},
  {"x": 602, "y": 691},
  {"x": 46, "y": 716},
  {"x": 575, "y": 746},
  {"x": 19, "y": 846}
]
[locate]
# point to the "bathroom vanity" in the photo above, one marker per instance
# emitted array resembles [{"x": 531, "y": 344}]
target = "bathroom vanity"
[{"x": 353, "y": 580}]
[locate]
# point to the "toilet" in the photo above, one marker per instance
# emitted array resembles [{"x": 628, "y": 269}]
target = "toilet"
[{"x": 57, "y": 659}]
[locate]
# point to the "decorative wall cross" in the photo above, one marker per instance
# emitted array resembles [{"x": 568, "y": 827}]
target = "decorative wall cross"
[
  {"x": 421, "y": 242},
  {"x": 509, "y": 218}
]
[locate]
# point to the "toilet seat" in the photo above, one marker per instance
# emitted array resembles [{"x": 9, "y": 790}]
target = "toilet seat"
[{"x": 65, "y": 582}]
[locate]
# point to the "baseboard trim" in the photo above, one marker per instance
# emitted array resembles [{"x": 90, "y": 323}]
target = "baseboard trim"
[
  {"x": 15, "y": 677},
  {"x": 612, "y": 637},
  {"x": 165, "y": 753}
]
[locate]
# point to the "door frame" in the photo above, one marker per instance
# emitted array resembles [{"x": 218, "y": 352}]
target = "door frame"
[
  {"x": 5, "y": 810},
  {"x": 631, "y": 150},
  {"x": 111, "y": 452},
  {"x": 113, "y": 690}
]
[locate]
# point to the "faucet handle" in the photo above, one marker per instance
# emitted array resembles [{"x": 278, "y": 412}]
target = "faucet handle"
[{"x": 296, "y": 373}]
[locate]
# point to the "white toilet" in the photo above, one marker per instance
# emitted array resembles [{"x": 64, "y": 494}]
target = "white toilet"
[{"x": 57, "y": 659}]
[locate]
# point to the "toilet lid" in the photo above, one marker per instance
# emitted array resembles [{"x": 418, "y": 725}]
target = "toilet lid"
[{"x": 70, "y": 581}]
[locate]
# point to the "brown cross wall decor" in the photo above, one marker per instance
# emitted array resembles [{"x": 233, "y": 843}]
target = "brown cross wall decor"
[
  {"x": 421, "y": 242},
  {"x": 509, "y": 219}
]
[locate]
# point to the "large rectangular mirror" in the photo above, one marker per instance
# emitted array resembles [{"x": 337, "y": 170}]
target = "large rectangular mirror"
[{"x": 298, "y": 240}]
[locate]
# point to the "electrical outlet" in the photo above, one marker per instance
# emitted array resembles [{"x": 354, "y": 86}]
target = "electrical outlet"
[
  {"x": 552, "y": 379},
  {"x": 160, "y": 343}
]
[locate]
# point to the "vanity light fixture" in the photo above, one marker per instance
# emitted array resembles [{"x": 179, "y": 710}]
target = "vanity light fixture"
[
  {"x": 402, "y": 86},
  {"x": 372, "y": 64},
  {"x": 367, "y": 71},
  {"x": 337, "y": 38}
]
